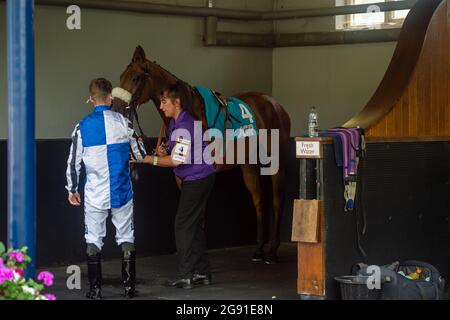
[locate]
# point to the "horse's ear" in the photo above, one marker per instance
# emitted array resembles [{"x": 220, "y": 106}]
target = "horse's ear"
[{"x": 139, "y": 54}]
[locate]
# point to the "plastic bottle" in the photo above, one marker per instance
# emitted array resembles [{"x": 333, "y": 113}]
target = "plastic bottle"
[{"x": 313, "y": 123}]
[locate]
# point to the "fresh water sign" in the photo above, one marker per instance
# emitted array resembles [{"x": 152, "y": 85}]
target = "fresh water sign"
[{"x": 308, "y": 149}]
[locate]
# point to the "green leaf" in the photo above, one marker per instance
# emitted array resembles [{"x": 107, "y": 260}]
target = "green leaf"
[{"x": 2, "y": 248}]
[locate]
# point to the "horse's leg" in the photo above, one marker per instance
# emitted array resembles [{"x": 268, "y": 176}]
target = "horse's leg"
[
  {"x": 253, "y": 184},
  {"x": 278, "y": 188},
  {"x": 278, "y": 191}
]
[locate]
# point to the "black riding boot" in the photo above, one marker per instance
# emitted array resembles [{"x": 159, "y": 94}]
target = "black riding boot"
[
  {"x": 129, "y": 273},
  {"x": 95, "y": 276}
]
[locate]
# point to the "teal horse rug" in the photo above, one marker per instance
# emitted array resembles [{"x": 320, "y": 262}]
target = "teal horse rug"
[{"x": 236, "y": 115}]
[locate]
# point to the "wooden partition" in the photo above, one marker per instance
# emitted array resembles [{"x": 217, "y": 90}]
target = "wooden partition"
[
  {"x": 413, "y": 98},
  {"x": 407, "y": 125}
]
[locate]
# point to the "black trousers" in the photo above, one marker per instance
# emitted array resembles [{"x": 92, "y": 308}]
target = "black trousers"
[{"x": 189, "y": 227}]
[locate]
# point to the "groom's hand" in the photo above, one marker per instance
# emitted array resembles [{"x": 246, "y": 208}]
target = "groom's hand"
[{"x": 148, "y": 159}]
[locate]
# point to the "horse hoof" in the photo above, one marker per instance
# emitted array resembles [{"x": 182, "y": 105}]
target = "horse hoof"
[{"x": 258, "y": 256}]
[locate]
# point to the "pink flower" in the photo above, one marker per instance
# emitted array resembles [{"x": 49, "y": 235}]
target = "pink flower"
[
  {"x": 6, "y": 274},
  {"x": 49, "y": 296},
  {"x": 19, "y": 271},
  {"x": 16, "y": 256},
  {"x": 1, "y": 263},
  {"x": 46, "y": 278}
]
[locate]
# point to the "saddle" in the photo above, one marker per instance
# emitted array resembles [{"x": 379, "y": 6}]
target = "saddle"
[
  {"x": 222, "y": 112},
  {"x": 223, "y": 103}
]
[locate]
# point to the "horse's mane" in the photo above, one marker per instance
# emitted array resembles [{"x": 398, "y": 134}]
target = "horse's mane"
[{"x": 165, "y": 70}]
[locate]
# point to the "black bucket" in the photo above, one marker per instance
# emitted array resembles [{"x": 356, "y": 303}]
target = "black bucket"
[{"x": 355, "y": 288}]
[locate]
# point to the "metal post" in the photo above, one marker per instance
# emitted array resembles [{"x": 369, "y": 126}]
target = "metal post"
[
  {"x": 303, "y": 179},
  {"x": 210, "y": 31},
  {"x": 21, "y": 127},
  {"x": 319, "y": 179}
]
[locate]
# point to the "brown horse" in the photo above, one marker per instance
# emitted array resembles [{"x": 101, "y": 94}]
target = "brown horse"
[{"x": 145, "y": 80}]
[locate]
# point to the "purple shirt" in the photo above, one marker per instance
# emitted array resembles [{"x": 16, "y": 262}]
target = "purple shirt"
[{"x": 195, "y": 168}]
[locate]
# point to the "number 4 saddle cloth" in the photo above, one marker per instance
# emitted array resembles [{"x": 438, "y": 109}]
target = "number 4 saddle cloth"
[{"x": 231, "y": 113}]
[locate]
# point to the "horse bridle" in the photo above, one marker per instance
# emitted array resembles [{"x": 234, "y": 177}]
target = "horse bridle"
[
  {"x": 135, "y": 97},
  {"x": 133, "y": 106},
  {"x": 142, "y": 78}
]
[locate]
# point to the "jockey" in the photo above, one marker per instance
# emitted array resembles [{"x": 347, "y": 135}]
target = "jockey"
[{"x": 103, "y": 141}]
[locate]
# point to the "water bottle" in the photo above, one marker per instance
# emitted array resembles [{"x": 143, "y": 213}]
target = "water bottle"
[{"x": 313, "y": 123}]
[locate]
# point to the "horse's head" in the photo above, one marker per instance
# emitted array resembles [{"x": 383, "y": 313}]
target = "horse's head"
[
  {"x": 137, "y": 81},
  {"x": 144, "y": 80}
]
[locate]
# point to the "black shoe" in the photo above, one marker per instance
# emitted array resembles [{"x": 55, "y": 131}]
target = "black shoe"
[
  {"x": 129, "y": 273},
  {"x": 205, "y": 279},
  {"x": 185, "y": 283},
  {"x": 258, "y": 256},
  {"x": 94, "y": 294},
  {"x": 271, "y": 259},
  {"x": 95, "y": 277}
]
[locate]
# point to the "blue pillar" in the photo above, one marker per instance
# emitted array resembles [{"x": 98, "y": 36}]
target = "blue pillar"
[{"x": 21, "y": 127}]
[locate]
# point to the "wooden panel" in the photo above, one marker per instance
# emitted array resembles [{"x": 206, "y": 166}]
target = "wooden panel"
[
  {"x": 446, "y": 119},
  {"x": 323, "y": 140},
  {"x": 305, "y": 220},
  {"x": 311, "y": 264},
  {"x": 413, "y": 99},
  {"x": 405, "y": 139}
]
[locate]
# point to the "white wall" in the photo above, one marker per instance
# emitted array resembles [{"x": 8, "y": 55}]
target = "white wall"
[
  {"x": 339, "y": 80},
  {"x": 67, "y": 60}
]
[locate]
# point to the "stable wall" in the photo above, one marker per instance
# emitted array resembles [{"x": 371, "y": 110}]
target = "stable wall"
[
  {"x": 230, "y": 214},
  {"x": 403, "y": 201},
  {"x": 338, "y": 80},
  {"x": 67, "y": 60}
]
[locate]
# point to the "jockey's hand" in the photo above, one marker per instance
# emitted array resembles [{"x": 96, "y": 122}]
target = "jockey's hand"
[{"x": 74, "y": 199}]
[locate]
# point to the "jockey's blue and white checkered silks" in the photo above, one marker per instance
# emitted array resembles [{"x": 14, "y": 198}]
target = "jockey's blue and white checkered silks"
[{"x": 103, "y": 141}]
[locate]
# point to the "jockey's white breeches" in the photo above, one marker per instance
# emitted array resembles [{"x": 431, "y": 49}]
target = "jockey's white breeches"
[{"x": 95, "y": 224}]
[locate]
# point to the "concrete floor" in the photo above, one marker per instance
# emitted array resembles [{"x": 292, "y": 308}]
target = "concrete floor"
[{"x": 235, "y": 277}]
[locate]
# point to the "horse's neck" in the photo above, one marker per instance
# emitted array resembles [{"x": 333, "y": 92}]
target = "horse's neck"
[
  {"x": 162, "y": 79},
  {"x": 197, "y": 105}
]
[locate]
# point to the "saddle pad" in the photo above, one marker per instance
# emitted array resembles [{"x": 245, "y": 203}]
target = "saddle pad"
[
  {"x": 347, "y": 148},
  {"x": 240, "y": 115}
]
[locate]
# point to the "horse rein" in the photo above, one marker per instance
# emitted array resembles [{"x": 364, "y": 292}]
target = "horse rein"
[
  {"x": 135, "y": 97},
  {"x": 133, "y": 106}
]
